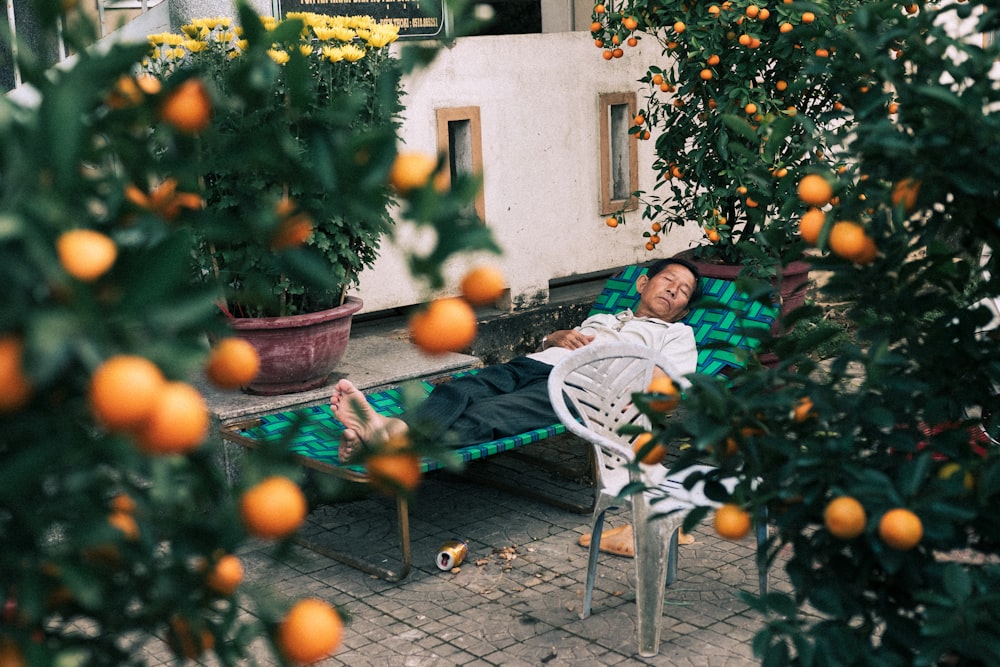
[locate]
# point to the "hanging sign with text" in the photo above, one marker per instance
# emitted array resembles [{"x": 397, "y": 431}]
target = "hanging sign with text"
[{"x": 415, "y": 18}]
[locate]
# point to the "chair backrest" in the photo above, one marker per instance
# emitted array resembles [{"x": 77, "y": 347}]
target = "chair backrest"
[
  {"x": 724, "y": 320},
  {"x": 591, "y": 392}
]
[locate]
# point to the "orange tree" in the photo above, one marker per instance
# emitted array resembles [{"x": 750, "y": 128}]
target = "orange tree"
[
  {"x": 734, "y": 106},
  {"x": 899, "y": 418},
  {"x": 115, "y": 519}
]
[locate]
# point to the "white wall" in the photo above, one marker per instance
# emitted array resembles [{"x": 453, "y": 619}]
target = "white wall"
[{"x": 538, "y": 99}]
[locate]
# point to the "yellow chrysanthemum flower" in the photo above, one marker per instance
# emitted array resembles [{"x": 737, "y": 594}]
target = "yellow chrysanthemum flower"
[
  {"x": 306, "y": 49},
  {"x": 269, "y": 22},
  {"x": 278, "y": 56},
  {"x": 195, "y": 45},
  {"x": 382, "y": 36},
  {"x": 333, "y": 54},
  {"x": 242, "y": 45},
  {"x": 352, "y": 53}
]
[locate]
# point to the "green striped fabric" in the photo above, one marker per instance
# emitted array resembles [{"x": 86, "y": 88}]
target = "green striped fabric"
[
  {"x": 723, "y": 323},
  {"x": 723, "y": 326}
]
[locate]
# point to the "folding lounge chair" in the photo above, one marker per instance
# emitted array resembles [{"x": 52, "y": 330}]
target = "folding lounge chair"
[
  {"x": 723, "y": 331},
  {"x": 591, "y": 391}
]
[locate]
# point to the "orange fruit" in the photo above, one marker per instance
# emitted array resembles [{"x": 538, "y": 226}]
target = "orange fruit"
[
  {"x": 679, "y": 27},
  {"x": 904, "y": 193},
  {"x": 183, "y": 642},
  {"x": 901, "y": 529},
  {"x": 599, "y": 8},
  {"x": 803, "y": 409},
  {"x": 126, "y": 523},
  {"x": 811, "y": 224},
  {"x": 273, "y": 508},
  {"x": 745, "y": 39},
  {"x": 394, "y": 471},
  {"x": 483, "y": 285},
  {"x": 607, "y": 54},
  {"x": 815, "y": 190},
  {"x": 732, "y": 522},
  {"x": 125, "y": 93},
  {"x": 411, "y": 171},
  {"x": 149, "y": 84},
  {"x": 808, "y": 17},
  {"x": 655, "y": 454},
  {"x": 713, "y": 60},
  {"x": 630, "y": 23},
  {"x": 662, "y": 384},
  {"x": 86, "y": 254},
  {"x": 124, "y": 389},
  {"x": 705, "y": 74},
  {"x": 292, "y": 232},
  {"x": 11, "y": 654},
  {"x": 785, "y": 27},
  {"x": 849, "y": 240},
  {"x": 188, "y": 107},
  {"x": 949, "y": 470},
  {"x": 596, "y": 26},
  {"x": 845, "y": 517},
  {"x": 764, "y": 14},
  {"x": 752, "y": 11},
  {"x": 226, "y": 576},
  {"x": 310, "y": 631},
  {"x": 750, "y": 108},
  {"x": 178, "y": 422},
  {"x": 15, "y": 388},
  {"x": 611, "y": 222},
  {"x": 233, "y": 363},
  {"x": 446, "y": 325},
  {"x": 123, "y": 503}
]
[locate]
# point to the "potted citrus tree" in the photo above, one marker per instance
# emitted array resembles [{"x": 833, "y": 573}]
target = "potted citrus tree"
[
  {"x": 734, "y": 107},
  {"x": 329, "y": 86}
]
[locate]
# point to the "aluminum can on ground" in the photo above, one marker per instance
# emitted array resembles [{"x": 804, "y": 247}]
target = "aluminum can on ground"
[{"x": 451, "y": 554}]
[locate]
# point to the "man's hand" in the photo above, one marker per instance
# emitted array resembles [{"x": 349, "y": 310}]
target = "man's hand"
[{"x": 568, "y": 338}]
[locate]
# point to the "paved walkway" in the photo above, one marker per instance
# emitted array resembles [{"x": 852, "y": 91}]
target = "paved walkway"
[{"x": 516, "y": 599}]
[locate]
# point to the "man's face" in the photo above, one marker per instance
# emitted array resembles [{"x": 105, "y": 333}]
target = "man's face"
[{"x": 666, "y": 295}]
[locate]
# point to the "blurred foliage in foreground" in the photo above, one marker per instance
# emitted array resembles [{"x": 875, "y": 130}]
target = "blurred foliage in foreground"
[{"x": 113, "y": 524}]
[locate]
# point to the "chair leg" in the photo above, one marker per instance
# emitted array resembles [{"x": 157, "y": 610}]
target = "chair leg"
[
  {"x": 762, "y": 550},
  {"x": 596, "y": 531},
  {"x": 651, "y": 572},
  {"x": 672, "y": 558}
]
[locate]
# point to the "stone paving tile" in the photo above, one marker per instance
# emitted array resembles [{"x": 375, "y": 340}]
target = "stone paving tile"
[{"x": 517, "y": 598}]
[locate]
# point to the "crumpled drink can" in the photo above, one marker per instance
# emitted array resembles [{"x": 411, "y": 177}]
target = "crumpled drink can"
[{"x": 451, "y": 554}]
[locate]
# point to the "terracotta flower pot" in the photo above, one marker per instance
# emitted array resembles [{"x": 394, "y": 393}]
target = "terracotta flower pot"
[
  {"x": 297, "y": 352},
  {"x": 794, "y": 280}
]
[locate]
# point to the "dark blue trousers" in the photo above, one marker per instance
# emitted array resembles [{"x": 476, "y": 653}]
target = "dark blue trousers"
[{"x": 499, "y": 400}]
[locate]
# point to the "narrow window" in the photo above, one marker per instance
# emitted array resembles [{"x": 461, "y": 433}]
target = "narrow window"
[
  {"x": 619, "y": 153},
  {"x": 460, "y": 140}
]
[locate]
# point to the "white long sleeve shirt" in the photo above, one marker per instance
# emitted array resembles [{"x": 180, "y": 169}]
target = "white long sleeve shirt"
[{"x": 674, "y": 340}]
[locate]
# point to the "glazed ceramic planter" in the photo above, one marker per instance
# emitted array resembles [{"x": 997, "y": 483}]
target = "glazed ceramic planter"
[{"x": 297, "y": 352}]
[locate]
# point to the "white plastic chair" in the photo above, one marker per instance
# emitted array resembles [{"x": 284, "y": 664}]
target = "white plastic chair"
[{"x": 591, "y": 391}]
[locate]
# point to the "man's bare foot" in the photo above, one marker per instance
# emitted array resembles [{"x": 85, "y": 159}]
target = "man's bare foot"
[
  {"x": 349, "y": 444},
  {"x": 362, "y": 424}
]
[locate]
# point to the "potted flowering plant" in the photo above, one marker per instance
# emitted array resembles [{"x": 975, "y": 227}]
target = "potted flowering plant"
[
  {"x": 735, "y": 105},
  {"x": 330, "y": 87}
]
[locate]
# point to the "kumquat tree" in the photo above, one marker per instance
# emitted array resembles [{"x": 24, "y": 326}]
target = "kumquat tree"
[
  {"x": 878, "y": 467},
  {"x": 733, "y": 107},
  {"x": 117, "y": 523}
]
